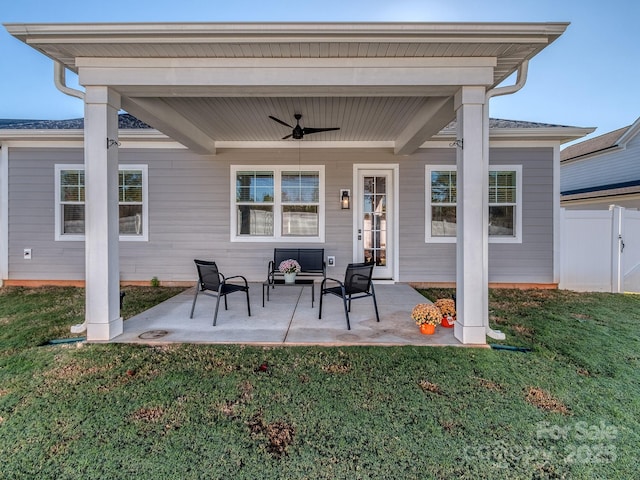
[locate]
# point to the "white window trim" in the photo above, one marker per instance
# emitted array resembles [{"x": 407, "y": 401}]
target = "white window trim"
[
  {"x": 517, "y": 238},
  {"x": 277, "y": 204},
  {"x": 59, "y": 236}
]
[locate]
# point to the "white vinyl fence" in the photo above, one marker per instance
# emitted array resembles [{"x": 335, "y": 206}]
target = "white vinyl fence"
[{"x": 600, "y": 250}]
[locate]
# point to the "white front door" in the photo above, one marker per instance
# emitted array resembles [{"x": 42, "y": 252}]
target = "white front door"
[{"x": 375, "y": 221}]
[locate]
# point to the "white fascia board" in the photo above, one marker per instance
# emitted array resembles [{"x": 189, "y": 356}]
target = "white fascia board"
[{"x": 225, "y": 32}]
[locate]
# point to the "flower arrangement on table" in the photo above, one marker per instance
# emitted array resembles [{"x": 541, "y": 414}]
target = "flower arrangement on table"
[
  {"x": 289, "y": 266},
  {"x": 426, "y": 313},
  {"x": 448, "y": 308}
]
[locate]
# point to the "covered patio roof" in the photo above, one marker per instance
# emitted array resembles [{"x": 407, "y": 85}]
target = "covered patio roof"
[{"x": 213, "y": 85}]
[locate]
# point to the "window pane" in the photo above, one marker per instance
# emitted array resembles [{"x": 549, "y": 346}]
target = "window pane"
[
  {"x": 300, "y": 187},
  {"x": 130, "y": 219},
  {"x": 130, "y": 188},
  {"x": 502, "y": 187},
  {"x": 443, "y": 221},
  {"x": 72, "y": 185},
  {"x": 300, "y": 220},
  {"x": 443, "y": 187},
  {"x": 254, "y": 187},
  {"x": 501, "y": 220},
  {"x": 73, "y": 219},
  {"x": 254, "y": 220}
]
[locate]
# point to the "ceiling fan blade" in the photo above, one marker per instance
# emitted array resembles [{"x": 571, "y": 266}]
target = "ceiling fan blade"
[
  {"x": 308, "y": 130},
  {"x": 290, "y": 135},
  {"x": 280, "y": 121}
]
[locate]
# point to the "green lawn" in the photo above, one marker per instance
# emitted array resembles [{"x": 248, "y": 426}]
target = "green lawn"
[{"x": 570, "y": 408}]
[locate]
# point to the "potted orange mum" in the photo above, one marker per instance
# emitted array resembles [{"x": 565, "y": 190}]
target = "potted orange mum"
[{"x": 426, "y": 316}]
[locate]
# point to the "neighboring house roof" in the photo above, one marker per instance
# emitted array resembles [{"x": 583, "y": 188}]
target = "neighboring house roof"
[
  {"x": 593, "y": 145},
  {"x": 603, "y": 150},
  {"x": 125, "y": 121}
]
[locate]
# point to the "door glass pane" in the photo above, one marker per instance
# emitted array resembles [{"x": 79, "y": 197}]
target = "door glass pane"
[{"x": 374, "y": 232}]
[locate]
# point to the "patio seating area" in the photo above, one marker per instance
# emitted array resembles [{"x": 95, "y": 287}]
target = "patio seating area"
[{"x": 286, "y": 319}]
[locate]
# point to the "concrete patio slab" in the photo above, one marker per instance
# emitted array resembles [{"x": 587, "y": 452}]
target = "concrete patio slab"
[{"x": 286, "y": 319}]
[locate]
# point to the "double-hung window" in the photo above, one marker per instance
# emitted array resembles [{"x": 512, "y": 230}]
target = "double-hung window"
[
  {"x": 505, "y": 203},
  {"x": 132, "y": 202},
  {"x": 277, "y": 204}
]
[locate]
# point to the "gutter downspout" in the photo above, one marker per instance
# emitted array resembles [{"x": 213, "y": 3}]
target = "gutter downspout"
[
  {"x": 523, "y": 70},
  {"x": 59, "y": 79}
]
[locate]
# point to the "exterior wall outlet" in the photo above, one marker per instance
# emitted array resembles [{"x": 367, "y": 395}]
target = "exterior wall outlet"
[
  {"x": 331, "y": 261},
  {"x": 27, "y": 254}
]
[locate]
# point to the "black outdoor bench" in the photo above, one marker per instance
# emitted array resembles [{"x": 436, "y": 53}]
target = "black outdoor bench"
[{"x": 311, "y": 262}]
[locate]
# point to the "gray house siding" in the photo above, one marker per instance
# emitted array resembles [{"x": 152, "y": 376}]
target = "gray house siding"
[
  {"x": 189, "y": 215},
  {"x": 611, "y": 167}
]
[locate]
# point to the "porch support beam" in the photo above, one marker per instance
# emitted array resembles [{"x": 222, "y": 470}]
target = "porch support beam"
[
  {"x": 102, "y": 269},
  {"x": 170, "y": 122},
  {"x": 392, "y": 75},
  {"x": 472, "y": 215},
  {"x": 434, "y": 115}
]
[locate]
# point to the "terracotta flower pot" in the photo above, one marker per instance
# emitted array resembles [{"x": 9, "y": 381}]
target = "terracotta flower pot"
[
  {"x": 446, "y": 323},
  {"x": 427, "y": 329}
]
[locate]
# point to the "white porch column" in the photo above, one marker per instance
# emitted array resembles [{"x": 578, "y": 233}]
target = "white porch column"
[
  {"x": 4, "y": 212},
  {"x": 472, "y": 218},
  {"x": 102, "y": 272}
]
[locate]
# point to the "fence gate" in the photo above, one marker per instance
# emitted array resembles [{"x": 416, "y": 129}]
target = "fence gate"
[{"x": 600, "y": 250}]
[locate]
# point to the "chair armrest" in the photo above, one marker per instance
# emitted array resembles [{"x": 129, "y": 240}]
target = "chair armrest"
[
  {"x": 271, "y": 272},
  {"x": 333, "y": 280},
  {"x": 225, "y": 280}
]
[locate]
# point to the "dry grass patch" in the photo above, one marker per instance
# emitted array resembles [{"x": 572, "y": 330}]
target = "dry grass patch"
[
  {"x": 152, "y": 415},
  {"x": 545, "y": 401},
  {"x": 336, "y": 368},
  {"x": 430, "y": 387},
  {"x": 279, "y": 434},
  {"x": 522, "y": 330},
  {"x": 489, "y": 385}
]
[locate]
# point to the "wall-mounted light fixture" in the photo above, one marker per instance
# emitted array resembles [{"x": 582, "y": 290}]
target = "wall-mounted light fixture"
[{"x": 345, "y": 202}]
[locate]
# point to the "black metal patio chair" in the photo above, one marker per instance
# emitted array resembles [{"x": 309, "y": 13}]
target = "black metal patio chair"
[
  {"x": 210, "y": 279},
  {"x": 357, "y": 284}
]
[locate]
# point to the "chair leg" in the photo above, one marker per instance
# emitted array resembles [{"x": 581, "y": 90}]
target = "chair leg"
[
  {"x": 193, "y": 306},
  {"x": 375, "y": 304},
  {"x": 226, "y": 307},
  {"x": 248, "y": 305},
  {"x": 215, "y": 315},
  {"x": 346, "y": 311},
  {"x": 320, "y": 307}
]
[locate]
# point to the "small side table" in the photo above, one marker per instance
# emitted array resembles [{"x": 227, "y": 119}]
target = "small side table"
[{"x": 280, "y": 282}]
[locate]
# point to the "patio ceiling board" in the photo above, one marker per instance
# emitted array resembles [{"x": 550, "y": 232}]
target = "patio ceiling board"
[{"x": 247, "y": 119}]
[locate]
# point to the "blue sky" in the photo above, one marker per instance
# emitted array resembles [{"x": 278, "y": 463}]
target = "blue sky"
[{"x": 589, "y": 77}]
